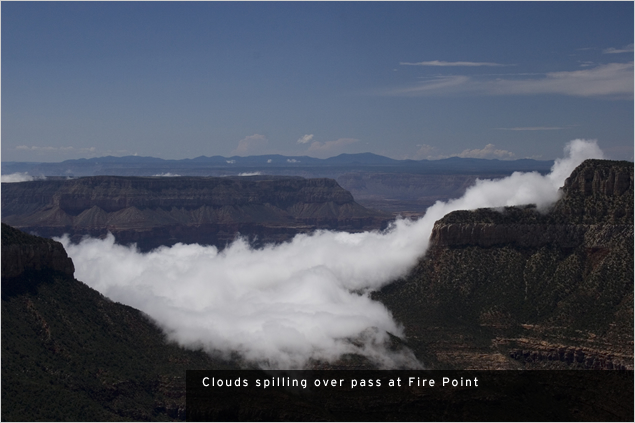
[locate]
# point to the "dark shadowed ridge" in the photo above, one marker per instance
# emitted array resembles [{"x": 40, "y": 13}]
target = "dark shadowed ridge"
[{"x": 70, "y": 354}]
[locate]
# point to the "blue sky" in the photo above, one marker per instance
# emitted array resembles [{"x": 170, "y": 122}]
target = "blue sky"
[{"x": 415, "y": 80}]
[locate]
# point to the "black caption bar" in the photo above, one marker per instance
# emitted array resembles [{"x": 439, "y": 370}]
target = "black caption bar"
[{"x": 403, "y": 395}]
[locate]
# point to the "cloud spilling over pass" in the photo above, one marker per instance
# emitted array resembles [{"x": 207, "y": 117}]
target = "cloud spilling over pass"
[{"x": 284, "y": 305}]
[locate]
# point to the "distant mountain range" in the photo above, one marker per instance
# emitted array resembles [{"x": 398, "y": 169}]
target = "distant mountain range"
[{"x": 148, "y": 166}]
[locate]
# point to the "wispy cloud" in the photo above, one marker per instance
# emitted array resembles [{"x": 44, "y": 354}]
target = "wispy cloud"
[
  {"x": 253, "y": 144},
  {"x": 330, "y": 147},
  {"x": 69, "y": 152},
  {"x": 443, "y": 63},
  {"x": 54, "y": 149},
  {"x": 425, "y": 151},
  {"x": 610, "y": 81},
  {"x": 488, "y": 152},
  {"x": 626, "y": 49},
  {"x": 533, "y": 128},
  {"x": 305, "y": 139},
  {"x": 586, "y": 64}
]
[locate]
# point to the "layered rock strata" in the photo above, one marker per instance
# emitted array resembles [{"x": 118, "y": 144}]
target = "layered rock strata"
[
  {"x": 518, "y": 287},
  {"x": 154, "y": 211}
]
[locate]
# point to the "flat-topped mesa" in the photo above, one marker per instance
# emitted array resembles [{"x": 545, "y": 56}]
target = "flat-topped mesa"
[
  {"x": 154, "y": 211},
  {"x": 598, "y": 193},
  {"x": 114, "y": 193},
  {"x": 21, "y": 252}
]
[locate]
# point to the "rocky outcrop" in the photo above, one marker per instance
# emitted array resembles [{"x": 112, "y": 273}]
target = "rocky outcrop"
[
  {"x": 154, "y": 211},
  {"x": 21, "y": 252},
  {"x": 542, "y": 282},
  {"x": 598, "y": 191}
]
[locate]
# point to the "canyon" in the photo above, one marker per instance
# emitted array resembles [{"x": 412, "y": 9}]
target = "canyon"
[{"x": 508, "y": 289}]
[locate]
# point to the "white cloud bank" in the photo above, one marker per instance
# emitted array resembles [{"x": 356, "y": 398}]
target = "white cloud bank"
[
  {"x": 19, "y": 177},
  {"x": 282, "y": 306}
]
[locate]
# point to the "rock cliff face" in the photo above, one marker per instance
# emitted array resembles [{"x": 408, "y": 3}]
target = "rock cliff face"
[
  {"x": 157, "y": 211},
  {"x": 518, "y": 288},
  {"x": 596, "y": 206},
  {"x": 21, "y": 252},
  {"x": 598, "y": 192}
]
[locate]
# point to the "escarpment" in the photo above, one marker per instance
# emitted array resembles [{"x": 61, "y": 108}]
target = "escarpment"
[
  {"x": 21, "y": 252},
  {"x": 520, "y": 288},
  {"x": 598, "y": 191},
  {"x": 154, "y": 211}
]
